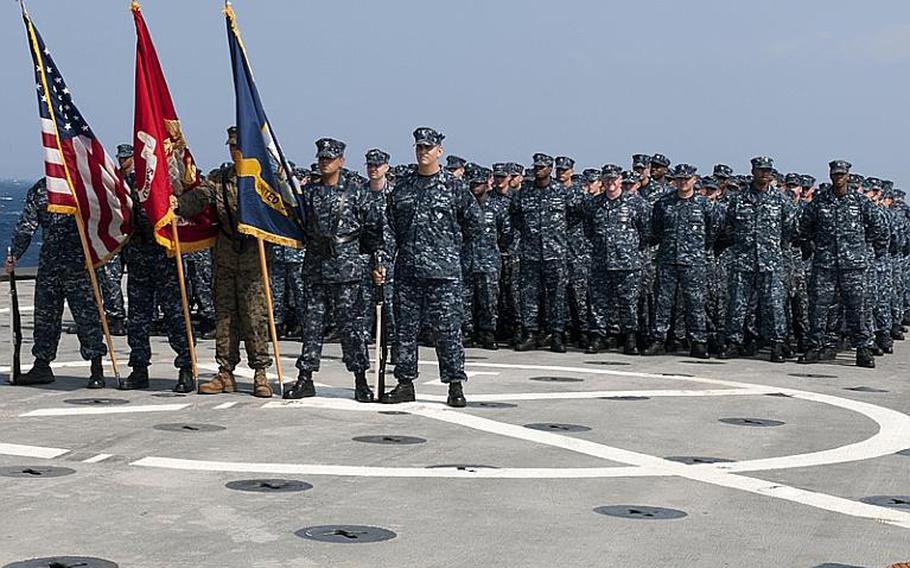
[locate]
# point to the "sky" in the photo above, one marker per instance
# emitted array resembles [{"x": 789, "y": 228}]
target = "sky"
[{"x": 702, "y": 81}]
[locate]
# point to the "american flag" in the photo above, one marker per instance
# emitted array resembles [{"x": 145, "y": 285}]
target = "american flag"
[{"x": 81, "y": 178}]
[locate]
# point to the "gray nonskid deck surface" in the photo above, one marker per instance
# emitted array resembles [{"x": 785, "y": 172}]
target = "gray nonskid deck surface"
[{"x": 786, "y": 489}]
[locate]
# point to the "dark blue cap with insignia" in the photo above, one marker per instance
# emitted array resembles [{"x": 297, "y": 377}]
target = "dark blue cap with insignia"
[
  {"x": 425, "y": 136},
  {"x": 683, "y": 171},
  {"x": 840, "y": 166},
  {"x": 709, "y": 182},
  {"x": 873, "y": 183},
  {"x": 564, "y": 163},
  {"x": 232, "y": 135},
  {"x": 733, "y": 184},
  {"x": 793, "y": 179},
  {"x": 722, "y": 171},
  {"x": 542, "y": 160},
  {"x": 631, "y": 177},
  {"x": 590, "y": 175},
  {"x": 125, "y": 151},
  {"x": 806, "y": 180},
  {"x": 501, "y": 169},
  {"x": 516, "y": 169},
  {"x": 856, "y": 179},
  {"x": 476, "y": 174},
  {"x": 329, "y": 148},
  {"x": 887, "y": 183},
  {"x": 611, "y": 171},
  {"x": 762, "y": 163},
  {"x": 660, "y": 160},
  {"x": 899, "y": 193},
  {"x": 641, "y": 160},
  {"x": 454, "y": 162},
  {"x": 376, "y": 157}
]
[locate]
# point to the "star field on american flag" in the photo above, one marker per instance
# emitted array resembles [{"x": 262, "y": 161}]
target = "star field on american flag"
[{"x": 69, "y": 119}]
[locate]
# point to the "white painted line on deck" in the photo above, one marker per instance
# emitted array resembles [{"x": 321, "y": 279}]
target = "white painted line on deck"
[
  {"x": 113, "y": 410},
  {"x": 98, "y": 459},
  {"x": 31, "y": 451},
  {"x": 225, "y": 405},
  {"x": 409, "y": 472}
]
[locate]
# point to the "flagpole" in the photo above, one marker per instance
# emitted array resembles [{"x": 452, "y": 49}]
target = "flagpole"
[
  {"x": 264, "y": 269},
  {"x": 187, "y": 323},
  {"x": 80, "y": 224}
]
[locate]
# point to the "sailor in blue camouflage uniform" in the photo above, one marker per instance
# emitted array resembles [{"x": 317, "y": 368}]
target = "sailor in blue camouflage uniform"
[
  {"x": 288, "y": 289},
  {"x": 878, "y": 290},
  {"x": 683, "y": 225},
  {"x": 619, "y": 228},
  {"x": 61, "y": 276},
  {"x": 756, "y": 221},
  {"x": 540, "y": 215},
  {"x": 507, "y": 180},
  {"x": 899, "y": 306},
  {"x": 796, "y": 306},
  {"x": 719, "y": 262},
  {"x": 456, "y": 165},
  {"x": 110, "y": 280},
  {"x": 340, "y": 224},
  {"x": 480, "y": 261},
  {"x": 379, "y": 187},
  {"x": 840, "y": 222},
  {"x": 151, "y": 282},
  {"x": 579, "y": 259},
  {"x": 429, "y": 210},
  {"x": 200, "y": 282},
  {"x": 898, "y": 243}
]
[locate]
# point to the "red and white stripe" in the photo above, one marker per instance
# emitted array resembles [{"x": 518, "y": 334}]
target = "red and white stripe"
[{"x": 103, "y": 197}]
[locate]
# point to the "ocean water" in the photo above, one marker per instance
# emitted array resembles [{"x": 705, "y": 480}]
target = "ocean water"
[{"x": 12, "y": 197}]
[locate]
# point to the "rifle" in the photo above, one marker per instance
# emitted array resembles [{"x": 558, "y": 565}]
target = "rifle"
[
  {"x": 15, "y": 327},
  {"x": 381, "y": 340}
]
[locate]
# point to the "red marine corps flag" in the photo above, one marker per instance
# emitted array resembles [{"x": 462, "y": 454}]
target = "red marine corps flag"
[{"x": 164, "y": 165}]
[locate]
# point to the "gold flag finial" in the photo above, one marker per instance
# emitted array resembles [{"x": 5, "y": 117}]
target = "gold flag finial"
[{"x": 135, "y": 6}]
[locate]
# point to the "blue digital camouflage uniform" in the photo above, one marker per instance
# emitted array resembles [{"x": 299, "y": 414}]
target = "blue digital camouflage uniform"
[
  {"x": 684, "y": 230},
  {"x": 287, "y": 282},
  {"x": 378, "y": 200},
  {"x": 619, "y": 230},
  {"x": 427, "y": 216},
  {"x": 61, "y": 276},
  {"x": 883, "y": 277},
  {"x": 579, "y": 269},
  {"x": 509, "y": 282},
  {"x": 755, "y": 224},
  {"x": 339, "y": 219},
  {"x": 716, "y": 298},
  {"x": 840, "y": 228},
  {"x": 200, "y": 283},
  {"x": 650, "y": 194},
  {"x": 540, "y": 217},
  {"x": 480, "y": 266},
  {"x": 151, "y": 282},
  {"x": 110, "y": 280}
]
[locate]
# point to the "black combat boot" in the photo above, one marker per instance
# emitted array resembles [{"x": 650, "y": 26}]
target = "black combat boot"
[
  {"x": 403, "y": 392},
  {"x": 467, "y": 340},
  {"x": 362, "y": 390},
  {"x": 777, "y": 352},
  {"x": 39, "y": 374},
  {"x": 185, "y": 381},
  {"x": 137, "y": 379},
  {"x": 897, "y": 333},
  {"x": 595, "y": 345},
  {"x": 876, "y": 350},
  {"x": 750, "y": 348},
  {"x": 656, "y": 348},
  {"x": 731, "y": 351},
  {"x": 699, "y": 350},
  {"x": 812, "y": 355},
  {"x": 488, "y": 341},
  {"x": 456, "y": 395},
  {"x": 630, "y": 345},
  {"x": 96, "y": 379},
  {"x": 583, "y": 340},
  {"x": 527, "y": 342},
  {"x": 303, "y": 388},
  {"x": 884, "y": 341},
  {"x": 827, "y": 354},
  {"x": 864, "y": 358},
  {"x": 557, "y": 343}
]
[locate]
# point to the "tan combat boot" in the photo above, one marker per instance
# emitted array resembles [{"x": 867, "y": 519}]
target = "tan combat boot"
[
  {"x": 222, "y": 382},
  {"x": 261, "y": 386}
]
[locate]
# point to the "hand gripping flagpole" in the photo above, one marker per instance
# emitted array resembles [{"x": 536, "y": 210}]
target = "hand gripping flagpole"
[
  {"x": 264, "y": 269},
  {"x": 80, "y": 224},
  {"x": 187, "y": 323}
]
